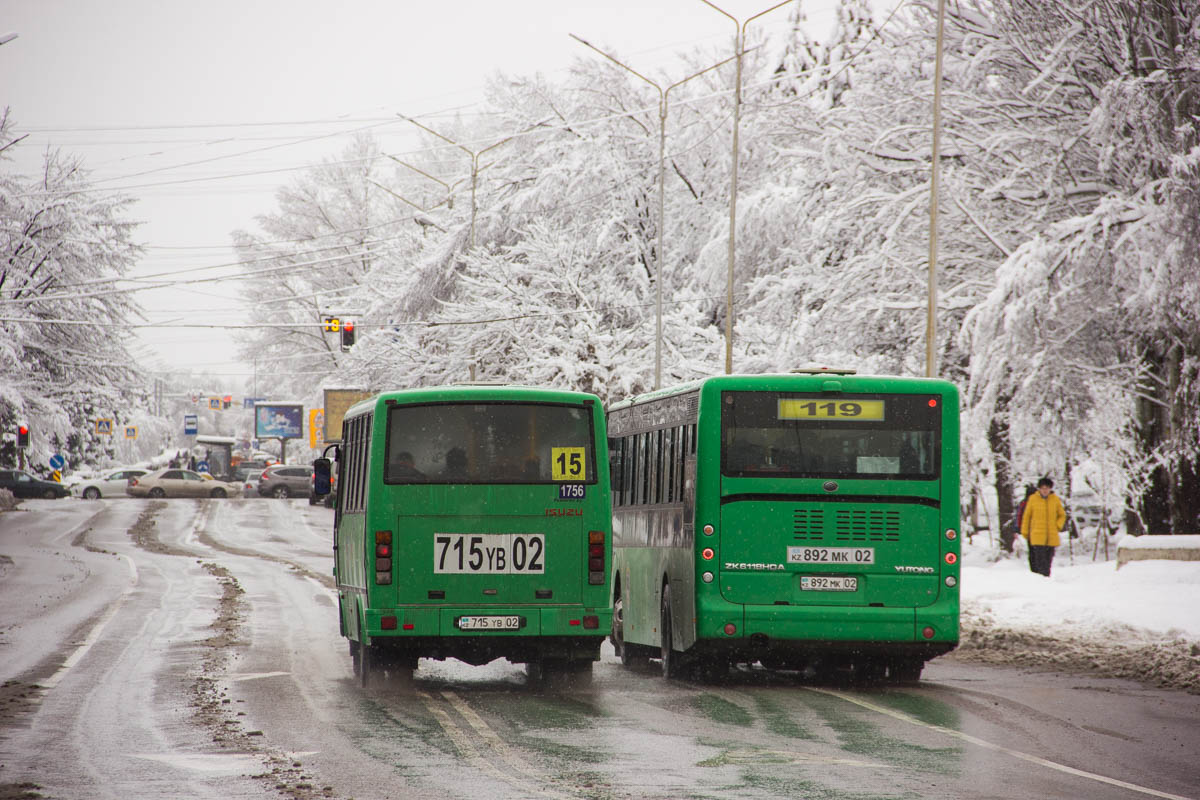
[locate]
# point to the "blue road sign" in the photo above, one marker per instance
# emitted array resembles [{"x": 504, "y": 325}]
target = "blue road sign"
[
  {"x": 57, "y": 461},
  {"x": 201, "y": 466},
  {"x": 189, "y": 425}
]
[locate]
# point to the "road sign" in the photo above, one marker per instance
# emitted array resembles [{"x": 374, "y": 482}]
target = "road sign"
[
  {"x": 57, "y": 461},
  {"x": 104, "y": 427},
  {"x": 56, "y": 476},
  {"x": 316, "y": 424},
  {"x": 201, "y": 466},
  {"x": 189, "y": 425},
  {"x": 130, "y": 431},
  {"x": 214, "y": 403}
]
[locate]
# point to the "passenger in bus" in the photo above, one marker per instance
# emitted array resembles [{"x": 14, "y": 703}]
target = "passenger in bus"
[
  {"x": 456, "y": 464},
  {"x": 402, "y": 467}
]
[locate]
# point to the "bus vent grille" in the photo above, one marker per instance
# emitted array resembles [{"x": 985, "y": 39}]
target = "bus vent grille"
[
  {"x": 868, "y": 526},
  {"x": 809, "y": 524}
]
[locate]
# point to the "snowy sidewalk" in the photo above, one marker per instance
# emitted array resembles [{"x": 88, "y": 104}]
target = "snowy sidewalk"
[{"x": 1140, "y": 622}]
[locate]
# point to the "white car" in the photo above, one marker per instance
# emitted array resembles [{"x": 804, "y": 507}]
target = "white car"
[{"x": 110, "y": 484}]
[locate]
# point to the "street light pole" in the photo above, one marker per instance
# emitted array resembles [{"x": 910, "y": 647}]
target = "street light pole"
[
  {"x": 475, "y": 169},
  {"x": 663, "y": 97},
  {"x": 739, "y": 44},
  {"x": 935, "y": 155}
]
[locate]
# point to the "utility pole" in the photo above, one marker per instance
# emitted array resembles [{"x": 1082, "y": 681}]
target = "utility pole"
[{"x": 663, "y": 96}]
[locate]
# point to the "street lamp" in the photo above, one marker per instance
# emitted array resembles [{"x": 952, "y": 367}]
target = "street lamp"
[
  {"x": 935, "y": 157},
  {"x": 739, "y": 43},
  {"x": 662, "y": 144},
  {"x": 474, "y": 154}
]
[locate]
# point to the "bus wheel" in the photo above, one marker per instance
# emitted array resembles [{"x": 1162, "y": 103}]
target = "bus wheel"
[
  {"x": 906, "y": 670},
  {"x": 365, "y": 657},
  {"x": 618, "y": 627},
  {"x": 672, "y": 661}
]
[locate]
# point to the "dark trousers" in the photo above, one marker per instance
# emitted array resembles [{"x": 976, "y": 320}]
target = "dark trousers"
[{"x": 1040, "y": 558}]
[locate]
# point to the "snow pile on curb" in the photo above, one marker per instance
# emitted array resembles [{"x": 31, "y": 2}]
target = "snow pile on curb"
[{"x": 1138, "y": 623}]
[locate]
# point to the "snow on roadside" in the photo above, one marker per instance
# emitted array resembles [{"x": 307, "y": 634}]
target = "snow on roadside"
[{"x": 1140, "y": 622}]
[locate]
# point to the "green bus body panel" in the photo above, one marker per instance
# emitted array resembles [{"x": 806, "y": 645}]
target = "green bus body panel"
[
  {"x": 416, "y": 513},
  {"x": 903, "y": 520}
]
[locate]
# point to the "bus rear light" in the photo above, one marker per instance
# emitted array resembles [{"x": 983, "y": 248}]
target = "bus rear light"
[
  {"x": 383, "y": 578},
  {"x": 383, "y": 537},
  {"x": 707, "y": 577},
  {"x": 708, "y": 530},
  {"x": 927, "y": 633},
  {"x": 383, "y": 550},
  {"x": 951, "y": 581},
  {"x": 707, "y": 554},
  {"x": 951, "y": 534},
  {"x": 951, "y": 558},
  {"x": 383, "y": 565},
  {"x": 730, "y": 629},
  {"x": 573, "y": 622},
  {"x": 597, "y": 569},
  {"x": 387, "y": 623},
  {"x": 408, "y": 626}
]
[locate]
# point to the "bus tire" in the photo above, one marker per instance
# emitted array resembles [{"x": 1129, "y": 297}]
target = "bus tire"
[
  {"x": 618, "y": 627},
  {"x": 365, "y": 657},
  {"x": 672, "y": 659},
  {"x": 906, "y": 670}
]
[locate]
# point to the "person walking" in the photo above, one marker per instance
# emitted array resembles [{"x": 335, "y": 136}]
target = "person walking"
[{"x": 1044, "y": 517}]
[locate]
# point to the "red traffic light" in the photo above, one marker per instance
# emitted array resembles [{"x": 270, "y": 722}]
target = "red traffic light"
[{"x": 22, "y": 436}]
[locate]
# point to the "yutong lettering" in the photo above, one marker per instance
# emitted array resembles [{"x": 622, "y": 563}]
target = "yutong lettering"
[{"x": 917, "y": 570}]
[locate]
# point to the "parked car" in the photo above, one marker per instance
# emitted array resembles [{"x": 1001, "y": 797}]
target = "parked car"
[
  {"x": 107, "y": 485},
  {"x": 22, "y": 484},
  {"x": 179, "y": 483},
  {"x": 283, "y": 480}
]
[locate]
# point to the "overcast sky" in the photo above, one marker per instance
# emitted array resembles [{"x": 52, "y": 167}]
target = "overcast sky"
[{"x": 143, "y": 89}]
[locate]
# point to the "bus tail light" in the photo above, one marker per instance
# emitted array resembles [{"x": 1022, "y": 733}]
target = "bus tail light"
[
  {"x": 383, "y": 558},
  {"x": 596, "y": 565},
  {"x": 951, "y": 558},
  {"x": 927, "y": 633}
]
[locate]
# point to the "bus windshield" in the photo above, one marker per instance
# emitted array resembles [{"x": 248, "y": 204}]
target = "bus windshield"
[
  {"x": 489, "y": 443},
  {"x": 819, "y": 435}
]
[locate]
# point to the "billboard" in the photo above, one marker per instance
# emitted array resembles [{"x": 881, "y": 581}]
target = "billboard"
[
  {"x": 337, "y": 403},
  {"x": 278, "y": 420}
]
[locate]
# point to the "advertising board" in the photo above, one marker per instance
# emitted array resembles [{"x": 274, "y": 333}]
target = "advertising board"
[
  {"x": 278, "y": 420},
  {"x": 337, "y": 403}
]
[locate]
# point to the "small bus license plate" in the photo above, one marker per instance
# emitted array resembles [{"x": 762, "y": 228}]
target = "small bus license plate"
[
  {"x": 831, "y": 555},
  {"x": 490, "y": 623},
  {"x": 828, "y": 583}
]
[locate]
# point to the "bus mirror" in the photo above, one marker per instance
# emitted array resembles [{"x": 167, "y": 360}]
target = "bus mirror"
[{"x": 321, "y": 477}]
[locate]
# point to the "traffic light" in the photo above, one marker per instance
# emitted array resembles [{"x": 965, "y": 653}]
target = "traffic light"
[
  {"x": 22, "y": 436},
  {"x": 347, "y": 334}
]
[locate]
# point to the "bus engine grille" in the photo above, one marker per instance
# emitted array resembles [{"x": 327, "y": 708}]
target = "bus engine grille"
[
  {"x": 868, "y": 526},
  {"x": 809, "y": 524}
]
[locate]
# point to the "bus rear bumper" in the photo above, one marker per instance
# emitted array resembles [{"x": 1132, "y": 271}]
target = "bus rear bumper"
[
  {"x": 571, "y": 634},
  {"x": 797, "y": 632}
]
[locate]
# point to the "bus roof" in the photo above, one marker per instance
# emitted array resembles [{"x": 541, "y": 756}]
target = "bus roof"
[
  {"x": 812, "y": 378},
  {"x": 466, "y": 392}
]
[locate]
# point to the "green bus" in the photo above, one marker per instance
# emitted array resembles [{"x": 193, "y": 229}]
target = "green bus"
[
  {"x": 473, "y": 522},
  {"x": 806, "y": 521}
]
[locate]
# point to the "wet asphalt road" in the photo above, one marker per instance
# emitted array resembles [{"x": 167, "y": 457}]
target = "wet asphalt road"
[{"x": 190, "y": 649}]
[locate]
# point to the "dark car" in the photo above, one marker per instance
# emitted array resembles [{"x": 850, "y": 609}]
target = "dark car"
[
  {"x": 22, "y": 484},
  {"x": 281, "y": 480}
]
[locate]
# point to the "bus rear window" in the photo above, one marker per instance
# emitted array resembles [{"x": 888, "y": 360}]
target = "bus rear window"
[
  {"x": 489, "y": 443},
  {"x": 777, "y": 434}
]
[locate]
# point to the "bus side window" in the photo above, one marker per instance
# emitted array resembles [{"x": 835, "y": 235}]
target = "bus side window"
[
  {"x": 616, "y": 465},
  {"x": 643, "y": 483}
]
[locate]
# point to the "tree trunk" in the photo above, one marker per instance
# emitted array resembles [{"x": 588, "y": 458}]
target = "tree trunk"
[{"x": 1001, "y": 447}]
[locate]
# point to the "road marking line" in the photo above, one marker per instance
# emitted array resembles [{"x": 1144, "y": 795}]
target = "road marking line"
[
  {"x": 490, "y": 736},
  {"x": 469, "y": 750},
  {"x": 94, "y": 634},
  {"x": 966, "y": 737}
]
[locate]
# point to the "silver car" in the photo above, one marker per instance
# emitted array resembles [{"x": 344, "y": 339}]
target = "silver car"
[
  {"x": 282, "y": 480},
  {"x": 179, "y": 483},
  {"x": 111, "y": 484}
]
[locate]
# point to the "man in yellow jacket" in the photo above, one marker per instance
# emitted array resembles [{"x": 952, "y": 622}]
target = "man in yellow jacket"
[{"x": 1044, "y": 517}]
